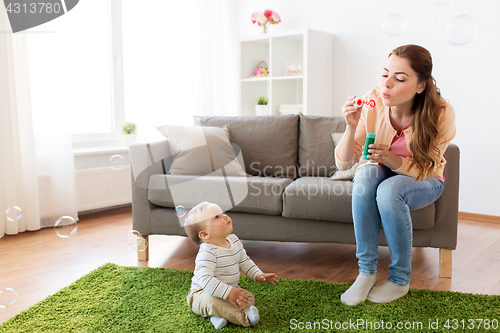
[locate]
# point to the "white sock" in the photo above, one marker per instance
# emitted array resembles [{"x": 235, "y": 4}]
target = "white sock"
[
  {"x": 253, "y": 315},
  {"x": 387, "y": 292},
  {"x": 359, "y": 290},
  {"x": 218, "y": 322}
]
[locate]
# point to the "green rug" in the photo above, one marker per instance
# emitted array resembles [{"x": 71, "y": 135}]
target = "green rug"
[{"x": 140, "y": 299}]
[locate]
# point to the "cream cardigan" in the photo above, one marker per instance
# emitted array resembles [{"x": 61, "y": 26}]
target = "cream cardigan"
[{"x": 376, "y": 120}]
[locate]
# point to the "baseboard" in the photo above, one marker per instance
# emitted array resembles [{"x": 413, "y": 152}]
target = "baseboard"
[
  {"x": 479, "y": 217},
  {"x": 103, "y": 209}
]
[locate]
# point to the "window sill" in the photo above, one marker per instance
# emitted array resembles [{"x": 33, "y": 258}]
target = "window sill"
[
  {"x": 98, "y": 157},
  {"x": 104, "y": 150}
]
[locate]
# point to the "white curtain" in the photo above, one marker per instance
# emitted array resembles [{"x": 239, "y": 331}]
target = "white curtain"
[
  {"x": 36, "y": 161},
  {"x": 18, "y": 179},
  {"x": 50, "y": 108},
  {"x": 218, "y": 61}
]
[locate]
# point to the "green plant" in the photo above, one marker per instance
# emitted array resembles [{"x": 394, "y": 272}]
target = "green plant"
[
  {"x": 129, "y": 128},
  {"x": 262, "y": 101}
]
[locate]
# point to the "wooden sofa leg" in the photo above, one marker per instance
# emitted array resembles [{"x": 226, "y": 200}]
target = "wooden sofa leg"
[
  {"x": 144, "y": 255},
  {"x": 445, "y": 263}
]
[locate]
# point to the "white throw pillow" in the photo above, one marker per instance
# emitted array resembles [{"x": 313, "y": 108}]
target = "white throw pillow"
[
  {"x": 201, "y": 151},
  {"x": 349, "y": 173}
]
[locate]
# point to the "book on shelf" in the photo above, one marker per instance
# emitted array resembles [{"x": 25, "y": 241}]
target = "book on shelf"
[
  {"x": 283, "y": 111},
  {"x": 290, "y": 106}
]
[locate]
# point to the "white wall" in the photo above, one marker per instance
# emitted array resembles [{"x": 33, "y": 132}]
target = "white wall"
[{"x": 468, "y": 75}]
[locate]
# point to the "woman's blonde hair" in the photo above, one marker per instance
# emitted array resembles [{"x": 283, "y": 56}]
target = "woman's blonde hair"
[{"x": 427, "y": 108}]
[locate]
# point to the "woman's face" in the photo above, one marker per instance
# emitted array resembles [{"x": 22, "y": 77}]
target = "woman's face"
[{"x": 399, "y": 82}]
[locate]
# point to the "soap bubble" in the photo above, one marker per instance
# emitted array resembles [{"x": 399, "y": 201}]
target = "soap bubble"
[
  {"x": 180, "y": 211},
  {"x": 394, "y": 25},
  {"x": 461, "y": 30},
  {"x": 116, "y": 162},
  {"x": 440, "y": 2},
  {"x": 13, "y": 213},
  {"x": 7, "y": 297},
  {"x": 135, "y": 239},
  {"x": 65, "y": 227}
]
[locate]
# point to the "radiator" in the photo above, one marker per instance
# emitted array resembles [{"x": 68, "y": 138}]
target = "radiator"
[{"x": 99, "y": 188}]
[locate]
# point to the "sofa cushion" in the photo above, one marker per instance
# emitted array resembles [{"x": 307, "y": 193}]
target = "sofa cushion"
[
  {"x": 268, "y": 143},
  {"x": 316, "y": 148},
  {"x": 265, "y": 195},
  {"x": 319, "y": 198},
  {"x": 201, "y": 151},
  {"x": 260, "y": 195}
]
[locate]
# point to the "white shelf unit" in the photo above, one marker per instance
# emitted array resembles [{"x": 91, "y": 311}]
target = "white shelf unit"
[{"x": 314, "y": 88}]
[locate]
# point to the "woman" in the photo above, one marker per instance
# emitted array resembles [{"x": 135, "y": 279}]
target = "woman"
[{"x": 413, "y": 126}]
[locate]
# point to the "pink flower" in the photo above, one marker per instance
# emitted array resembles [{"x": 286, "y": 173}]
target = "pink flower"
[
  {"x": 272, "y": 16},
  {"x": 254, "y": 17},
  {"x": 262, "y": 18},
  {"x": 275, "y": 17}
]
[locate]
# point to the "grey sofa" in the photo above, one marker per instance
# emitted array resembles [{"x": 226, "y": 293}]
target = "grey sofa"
[{"x": 289, "y": 196}]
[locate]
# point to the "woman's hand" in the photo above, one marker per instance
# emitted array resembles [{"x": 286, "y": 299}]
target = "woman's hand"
[
  {"x": 351, "y": 112},
  {"x": 267, "y": 278},
  {"x": 380, "y": 154}
]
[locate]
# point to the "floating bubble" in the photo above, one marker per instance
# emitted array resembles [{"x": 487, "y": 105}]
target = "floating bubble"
[
  {"x": 394, "y": 25},
  {"x": 135, "y": 239},
  {"x": 116, "y": 162},
  {"x": 440, "y": 2},
  {"x": 180, "y": 211},
  {"x": 65, "y": 227},
  {"x": 461, "y": 30},
  {"x": 13, "y": 213},
  {"x": 7, "y": 297}
]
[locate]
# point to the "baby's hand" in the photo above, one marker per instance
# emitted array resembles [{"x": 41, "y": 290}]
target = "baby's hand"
[
  {"x": 238, "y": 297},
  {"x": 267, "y": 278}
]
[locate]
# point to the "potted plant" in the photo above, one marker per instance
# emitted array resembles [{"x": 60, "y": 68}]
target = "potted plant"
[
  {"x": 262, "y": 109},
  {"x": 130, "y": 131}
]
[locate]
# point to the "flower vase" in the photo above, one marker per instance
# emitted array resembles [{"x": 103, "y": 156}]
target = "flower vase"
[{"x": 265, "y": 27}]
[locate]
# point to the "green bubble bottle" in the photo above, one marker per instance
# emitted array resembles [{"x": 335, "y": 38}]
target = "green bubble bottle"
[{"x": 370, "y": 138}]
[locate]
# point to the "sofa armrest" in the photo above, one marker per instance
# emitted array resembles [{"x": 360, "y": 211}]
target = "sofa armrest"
[
  {"x": 146, "y": 159},
  {"x": 444, "y": 233}
]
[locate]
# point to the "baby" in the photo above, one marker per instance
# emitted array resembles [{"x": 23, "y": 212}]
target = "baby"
[{"x": 214, "y": 289}]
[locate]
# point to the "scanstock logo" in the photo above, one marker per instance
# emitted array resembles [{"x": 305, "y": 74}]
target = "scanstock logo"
[{"x": 25, "y": 14}]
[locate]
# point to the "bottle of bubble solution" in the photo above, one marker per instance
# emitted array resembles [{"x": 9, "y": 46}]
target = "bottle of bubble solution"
[{"x": 370, "y": 138}]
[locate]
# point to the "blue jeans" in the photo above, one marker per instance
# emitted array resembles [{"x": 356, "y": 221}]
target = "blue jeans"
[{"x": 382, "y": 196}]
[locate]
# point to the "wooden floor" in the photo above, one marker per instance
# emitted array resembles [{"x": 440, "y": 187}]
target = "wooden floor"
[{"x": 37, "y": 264}]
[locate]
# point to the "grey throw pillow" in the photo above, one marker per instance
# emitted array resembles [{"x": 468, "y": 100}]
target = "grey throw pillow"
[
  {"x": 268, "y": 143},
  {"x": 316, "y": 149}
]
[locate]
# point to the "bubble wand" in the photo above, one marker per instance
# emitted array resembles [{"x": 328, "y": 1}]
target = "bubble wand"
[
  {"x": 370, "y": 137},
  {"x": 359, "y": 102}
]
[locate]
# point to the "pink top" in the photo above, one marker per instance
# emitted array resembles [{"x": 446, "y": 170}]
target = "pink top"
[{"x": 399, "y": 147}]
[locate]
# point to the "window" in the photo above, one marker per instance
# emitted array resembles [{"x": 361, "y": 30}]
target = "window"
[
  {"x": 161, "y": 48},
  {"x": 126, "y": 60},
  {"x": 89, "y": 61}
]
